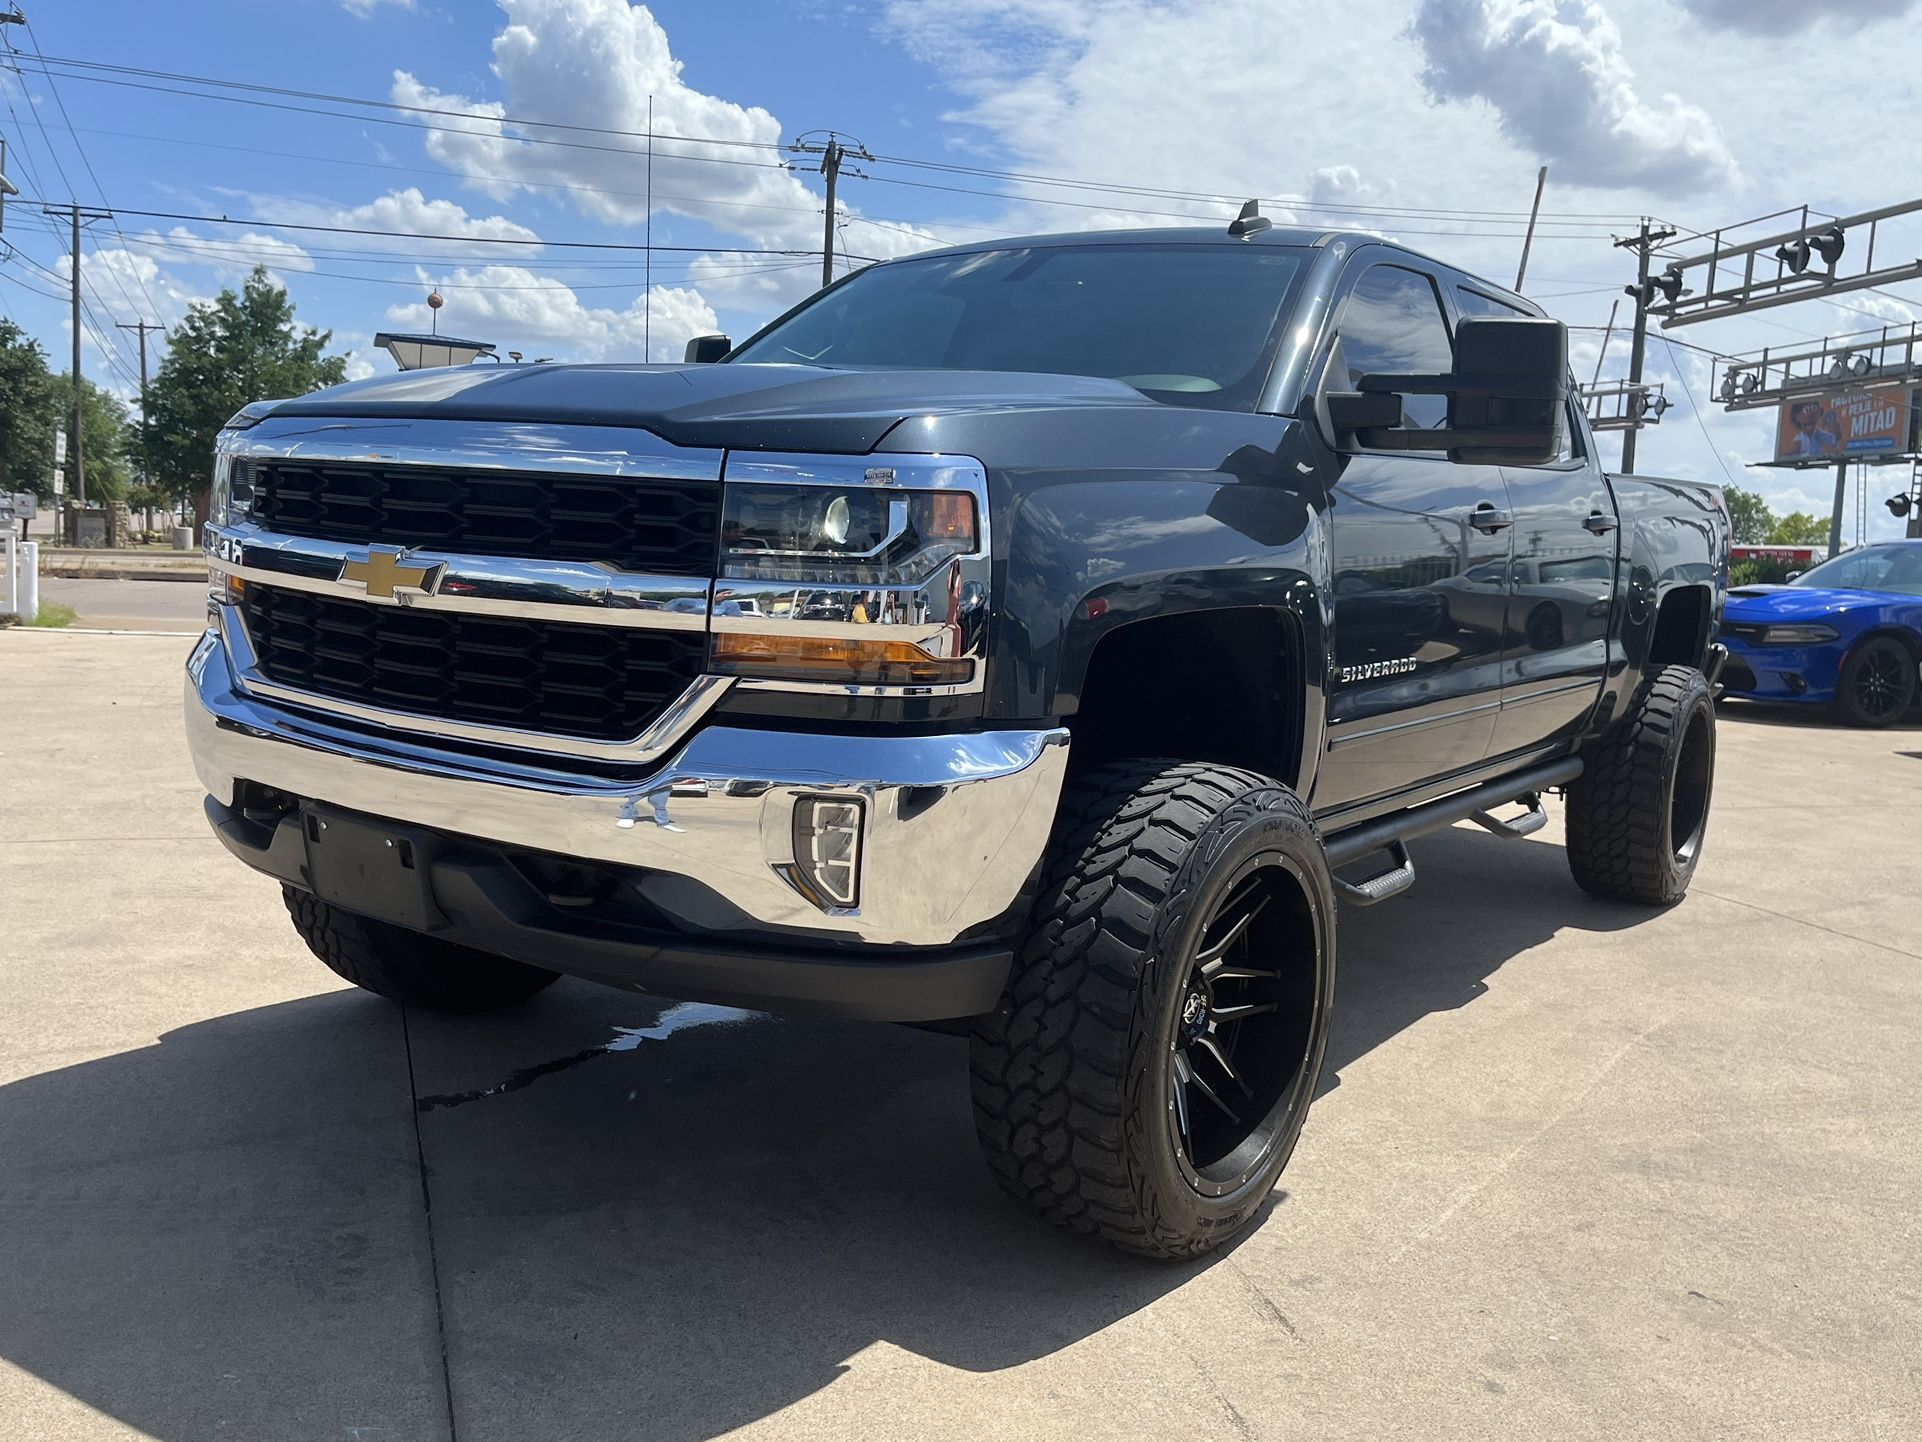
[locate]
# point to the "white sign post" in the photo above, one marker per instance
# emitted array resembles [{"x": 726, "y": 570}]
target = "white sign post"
[{"x": 23, "y": 577}]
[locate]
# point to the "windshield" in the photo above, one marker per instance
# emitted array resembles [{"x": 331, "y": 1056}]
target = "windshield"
[
  {"x": 1187, "y": 324},
  {"x": 1895, "y": 568}
]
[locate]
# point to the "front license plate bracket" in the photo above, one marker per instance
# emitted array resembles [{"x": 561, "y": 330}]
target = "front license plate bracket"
[{"x": 371, "y": 868}]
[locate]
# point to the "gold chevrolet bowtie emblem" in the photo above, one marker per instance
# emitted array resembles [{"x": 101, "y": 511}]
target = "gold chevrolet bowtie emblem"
[{"x": 383, "y": 574}]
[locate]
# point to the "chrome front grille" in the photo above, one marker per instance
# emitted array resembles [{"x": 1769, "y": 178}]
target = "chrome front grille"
[
  {"x": 667, "y": 527},
  {"x": 600, "y": 683}
]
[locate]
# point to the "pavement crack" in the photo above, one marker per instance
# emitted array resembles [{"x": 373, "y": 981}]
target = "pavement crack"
[
  {"x": 427, "y": 1215},
  {"x": 1813, "y": 925}
]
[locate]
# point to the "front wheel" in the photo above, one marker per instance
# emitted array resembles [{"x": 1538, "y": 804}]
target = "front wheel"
[
  {"x": 1151, "y": 1065},
  {"x": 1877, "y": 683},
  {"x": 406, "y": 966}
]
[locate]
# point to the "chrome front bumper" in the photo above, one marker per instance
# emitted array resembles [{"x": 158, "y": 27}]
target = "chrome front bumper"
[{"x": 953, "y": 825}]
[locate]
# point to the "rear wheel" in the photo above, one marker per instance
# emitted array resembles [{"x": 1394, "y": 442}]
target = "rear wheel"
[
  {"x": 1153, "y": 1060},
  {"x": 407, "y": 966},
  {"x": 1639, "y": 811},
  {"x": 1877, "y": 684}
]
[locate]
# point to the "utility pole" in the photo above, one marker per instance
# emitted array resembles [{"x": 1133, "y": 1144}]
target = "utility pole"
[
  {"x": 831, "y": 168},
  {"x": 832, "y": 153},
  {"x": 1528, "y": 240},
  {"x": 1643, "y": 293},
  {"x": 76, "y": 446},
  {"x": 1835, "y": 515},
  {"x": 142, "y": 327}
]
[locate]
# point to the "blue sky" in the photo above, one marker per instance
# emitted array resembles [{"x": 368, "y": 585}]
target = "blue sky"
[{"x": 1694, "y": 110}]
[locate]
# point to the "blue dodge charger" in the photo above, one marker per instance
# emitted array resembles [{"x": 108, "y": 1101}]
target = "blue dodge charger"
[{"x": 1846, "y": 634}]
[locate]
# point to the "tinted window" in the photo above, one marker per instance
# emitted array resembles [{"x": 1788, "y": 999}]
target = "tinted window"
[
  {"x": 1392, "y": 324},
  {"x": 1873, "y": 568},
  {"x": 1187, "y": 324},
  {"x": 1474, "y": 306}
]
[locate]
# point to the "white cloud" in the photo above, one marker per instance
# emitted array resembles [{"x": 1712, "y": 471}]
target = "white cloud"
[
  {"x": 1556, "y": 74},
  {"x": 365, "y": 9},
  {"x": 598, "y": 64},
  {"x": 516, "y": 309},
  {"x": 227, "y": 253},
  {"x": 410, "y": 211},
  {"x": 120, "y": 284},
  {"x": 1789, "y": 17}
]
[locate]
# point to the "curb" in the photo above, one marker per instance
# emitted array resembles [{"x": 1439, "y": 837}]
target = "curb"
[
  {"x": 10, "y": 629},
  {"x": 119, "y": 573}
]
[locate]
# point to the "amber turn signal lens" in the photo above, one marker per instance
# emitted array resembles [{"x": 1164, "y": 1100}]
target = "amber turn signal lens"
[
  {"x": 844, "y": 662},
  {"x": 236, "y": 588}
]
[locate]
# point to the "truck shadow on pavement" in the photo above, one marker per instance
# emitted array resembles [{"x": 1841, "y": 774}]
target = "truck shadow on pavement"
[{"x": 673, "y": 1223}]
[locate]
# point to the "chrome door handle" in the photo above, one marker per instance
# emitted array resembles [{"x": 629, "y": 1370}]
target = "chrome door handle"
[
  {"x": 1486, "y": 519},
  {"x": 1599, "y": 523}
]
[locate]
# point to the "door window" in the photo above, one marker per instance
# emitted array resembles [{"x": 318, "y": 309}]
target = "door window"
[{"x": 1392, "y": 324}]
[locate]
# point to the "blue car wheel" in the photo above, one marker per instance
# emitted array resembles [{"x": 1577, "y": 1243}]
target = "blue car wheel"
[{"x": 1877, "y": 684}]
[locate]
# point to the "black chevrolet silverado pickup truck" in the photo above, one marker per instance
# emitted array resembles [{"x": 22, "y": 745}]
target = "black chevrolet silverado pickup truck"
[{"x": 1022, "y": 638}]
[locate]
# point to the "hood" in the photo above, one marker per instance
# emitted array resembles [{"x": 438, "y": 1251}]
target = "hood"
[
  {"x": 1794, "y": 603},
  {"x": 750, "y": 407}
]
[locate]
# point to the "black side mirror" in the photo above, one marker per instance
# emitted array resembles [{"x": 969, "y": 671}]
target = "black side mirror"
[
  {"x": 706, "y": 349},
  {"x": 1507, "y": 396}
]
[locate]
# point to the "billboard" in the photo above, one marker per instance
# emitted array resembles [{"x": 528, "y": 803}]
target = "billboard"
[{"x": 1843, "y": 422}]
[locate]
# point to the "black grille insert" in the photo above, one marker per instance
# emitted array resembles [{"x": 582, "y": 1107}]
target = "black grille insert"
[
  {"x": 604, "y": 683},
  {"x": 637, "y": 523}
]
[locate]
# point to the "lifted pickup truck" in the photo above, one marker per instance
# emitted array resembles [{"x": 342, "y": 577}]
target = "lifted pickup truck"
[{"x": 1016, "y": 638}]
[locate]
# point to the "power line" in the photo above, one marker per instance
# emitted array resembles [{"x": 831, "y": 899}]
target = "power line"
[
  {"x": 16, "y": 280},
  {"x": 501, "y": 136},
  {"x": 1190, "y": 216},
  {"x": 480, "y": 115},
  {"x": 93, "y": 175},
  {"x": 1681, "y": 374},
  {"x": 469, "y": 239},
  {"x": 250, "y": 91}
]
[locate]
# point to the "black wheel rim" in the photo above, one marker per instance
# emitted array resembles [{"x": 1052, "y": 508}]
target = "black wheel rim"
[
  {"x": 1694, "y": 774},
  {"x": 1241, "y": 1053},
  {"x": 1878, "y": 682}
]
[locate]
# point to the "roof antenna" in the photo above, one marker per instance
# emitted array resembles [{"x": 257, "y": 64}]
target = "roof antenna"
[{"x": 1250, "y": 222}]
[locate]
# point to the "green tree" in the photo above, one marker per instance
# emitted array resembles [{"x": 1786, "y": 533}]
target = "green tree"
[
  {"x": 1799, "y": 528},
  {"x": 1750, "y": 517},
  {"x": 107, "y": 435},
  {"x": 29, "y": 414},
  {"x": 228, "y": 352}
]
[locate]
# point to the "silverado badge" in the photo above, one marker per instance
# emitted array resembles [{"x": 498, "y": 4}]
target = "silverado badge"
[
  {"x": 384, "y": 574},
  {"x": 1371, "y": 670}
]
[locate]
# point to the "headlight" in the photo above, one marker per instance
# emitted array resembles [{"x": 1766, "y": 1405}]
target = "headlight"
[
  {"x": 844, "y": 576},
  {"x": 1799, "y": 635},
  {"x": 855, "y": 535}
]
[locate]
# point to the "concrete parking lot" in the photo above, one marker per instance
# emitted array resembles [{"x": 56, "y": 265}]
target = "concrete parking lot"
[{"x": 1577, "y": 1170}]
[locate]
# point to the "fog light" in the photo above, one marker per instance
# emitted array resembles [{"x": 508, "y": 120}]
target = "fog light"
[{"x": 827, "y": 849}]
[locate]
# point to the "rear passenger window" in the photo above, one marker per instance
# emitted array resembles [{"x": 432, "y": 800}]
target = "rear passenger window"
[
  {"x": 1475, "y": 306},
  {"x": 1392, "y": 324}
]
